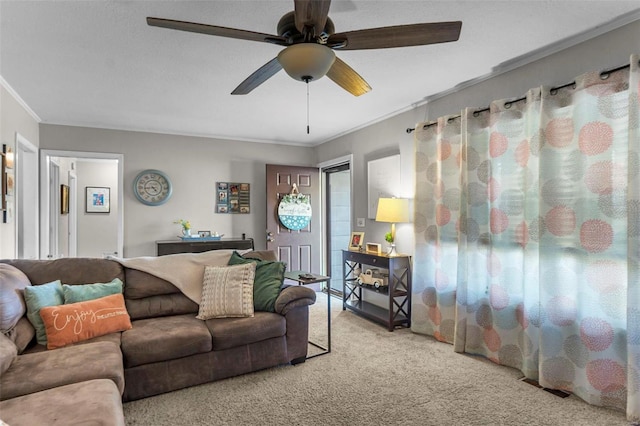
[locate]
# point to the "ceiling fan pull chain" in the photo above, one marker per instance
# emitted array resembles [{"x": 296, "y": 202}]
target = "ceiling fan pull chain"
[{"x": 307, "y": 105}]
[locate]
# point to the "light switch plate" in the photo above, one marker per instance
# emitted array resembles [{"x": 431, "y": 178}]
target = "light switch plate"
[{"x": 360, "y": 222}]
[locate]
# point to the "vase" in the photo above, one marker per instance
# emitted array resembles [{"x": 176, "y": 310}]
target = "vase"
[{"x": 186, "y": 232}]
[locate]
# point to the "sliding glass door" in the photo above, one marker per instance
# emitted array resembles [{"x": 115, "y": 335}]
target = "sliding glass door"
[{"x": 338, "y": 225}]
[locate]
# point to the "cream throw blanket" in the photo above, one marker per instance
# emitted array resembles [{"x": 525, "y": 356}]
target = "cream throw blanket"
[{"x": 184, "y": 270}]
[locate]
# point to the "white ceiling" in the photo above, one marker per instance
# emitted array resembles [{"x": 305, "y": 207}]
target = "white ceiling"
[{"x": 97, "y": 63}]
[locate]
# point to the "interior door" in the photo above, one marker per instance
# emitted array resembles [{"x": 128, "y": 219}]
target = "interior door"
[{"x": 300, "y": 249}]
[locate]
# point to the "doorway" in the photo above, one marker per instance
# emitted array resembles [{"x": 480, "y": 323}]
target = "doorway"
[
  {"x": 79, "y": 233},
  {"x": 337, "y": 192},
  {"x": 26, "y": 199}
]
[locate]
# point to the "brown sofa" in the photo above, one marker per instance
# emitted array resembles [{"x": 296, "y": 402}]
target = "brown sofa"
[{"x": 166, "y": 349}]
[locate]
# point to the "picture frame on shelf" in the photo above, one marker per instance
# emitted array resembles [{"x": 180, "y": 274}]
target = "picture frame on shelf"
[
  {"x": 355, "y": 242},
  {"x": 97, "y": 199},
  {"x": 373, "y": 248}
]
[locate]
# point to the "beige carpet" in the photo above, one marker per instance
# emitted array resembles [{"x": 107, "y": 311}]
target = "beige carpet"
[{"x": 371, "y": 377}]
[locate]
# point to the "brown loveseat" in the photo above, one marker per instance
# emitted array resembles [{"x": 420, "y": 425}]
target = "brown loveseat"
[{"x": 166, "y": 349}]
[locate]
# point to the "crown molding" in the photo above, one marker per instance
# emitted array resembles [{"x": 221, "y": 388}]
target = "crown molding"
[{"x": 18, "y": 99}]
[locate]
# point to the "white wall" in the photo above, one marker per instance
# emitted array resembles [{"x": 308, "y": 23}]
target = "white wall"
[
  {"x": 194, "y": 165},
  {"x": 603, "y": 52},
  {"x": 97, "y": 232},
  {"x": 13, "y": 119}
]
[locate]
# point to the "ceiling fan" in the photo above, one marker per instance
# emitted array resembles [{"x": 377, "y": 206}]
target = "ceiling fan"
[{"x": 309, "y": 37}]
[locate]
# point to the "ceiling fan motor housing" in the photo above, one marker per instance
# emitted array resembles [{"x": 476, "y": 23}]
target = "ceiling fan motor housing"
[{"x": 287, "y": 28}]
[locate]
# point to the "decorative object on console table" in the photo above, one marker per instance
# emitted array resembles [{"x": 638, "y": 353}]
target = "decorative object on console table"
[
  {"x": 355, "y": 243},
  {"x": 392, "y": 210},
  {"x": 186, "y": 227},
  {"x": 374, "y": 248},
  {"x": 97, "y": 199},
  {"x": 397, "y": 288},
  {"x": 233, "y": 197}
]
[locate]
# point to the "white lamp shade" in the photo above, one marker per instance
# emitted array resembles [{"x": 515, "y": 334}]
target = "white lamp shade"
[
  {"x": 393, "y": 210},
  {"x": 306, "y": 60}
]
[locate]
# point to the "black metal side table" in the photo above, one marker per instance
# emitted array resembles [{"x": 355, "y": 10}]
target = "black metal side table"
[{"x": 304, "y": 278}]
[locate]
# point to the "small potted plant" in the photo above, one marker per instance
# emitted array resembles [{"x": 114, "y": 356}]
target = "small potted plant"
[
  {"x": 186, "y": 227},
  {"x": 392, "y": 247}
]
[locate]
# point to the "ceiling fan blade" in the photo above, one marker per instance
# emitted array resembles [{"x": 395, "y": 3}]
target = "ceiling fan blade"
[
  {"x": 261, "y": 75},
  {"x": 216, "y": 31},
  {"x": 396, "y": 36},
  {"x": 311, "y": 13},
  {"x": 345, "y": 76}
]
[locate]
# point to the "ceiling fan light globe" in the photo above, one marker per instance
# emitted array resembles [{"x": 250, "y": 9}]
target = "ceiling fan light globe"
[{"x": 306, "y": 61}]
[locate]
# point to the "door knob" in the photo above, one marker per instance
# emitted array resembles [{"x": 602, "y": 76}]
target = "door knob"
[{"x": 270, "y": 238}]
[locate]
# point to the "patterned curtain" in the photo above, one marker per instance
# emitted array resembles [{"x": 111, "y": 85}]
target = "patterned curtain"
[{"x": 527, "y": 229}]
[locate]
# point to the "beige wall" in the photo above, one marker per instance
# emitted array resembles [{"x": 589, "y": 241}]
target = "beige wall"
[
  {"x": 606, "y": 51},
  {"x": 194, "y": 165},
  {"x": 13, "y": 119}
]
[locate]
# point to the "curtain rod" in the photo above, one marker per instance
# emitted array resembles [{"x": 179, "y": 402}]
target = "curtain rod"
[{"x": 603, "y": 75}]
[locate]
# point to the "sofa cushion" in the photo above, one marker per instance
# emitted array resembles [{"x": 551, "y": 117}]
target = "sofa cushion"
[
  {"x": 79, "y": 321},
  {"x": 12, "y": 306},
  {"x": 114, "y": 338},
  {"x": 161, "y": 306},
  {"x": 227, "y": 291},
  {"x": 69, "y": 270},
  {"x": 231, "y": 332},
  {"x": 82, "y": 292},
  {"x": 94, "y": 402},
  {"x": 38, "y": 297},
  {"x": 8, "y": 352},
  {"x": 268, "y": 281},
  {"x": 164, "y": 338},
  {"x": 141, "y": 284},
  {"x": 22, "y": 334},
  {"x": 39, "y": 371}
]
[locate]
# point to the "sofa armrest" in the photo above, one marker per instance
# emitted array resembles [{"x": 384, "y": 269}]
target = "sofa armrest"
[{"x": 294, "y": 296}]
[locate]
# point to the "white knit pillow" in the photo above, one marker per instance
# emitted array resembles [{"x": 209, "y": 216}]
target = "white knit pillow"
[{"x": 227, "y": 291}]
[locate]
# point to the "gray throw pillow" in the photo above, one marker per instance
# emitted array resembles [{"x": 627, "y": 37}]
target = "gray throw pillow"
[{"x": 227, "y": 291}]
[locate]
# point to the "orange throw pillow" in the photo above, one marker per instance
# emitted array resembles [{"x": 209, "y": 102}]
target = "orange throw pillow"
[{"x": 75, "y": 322}]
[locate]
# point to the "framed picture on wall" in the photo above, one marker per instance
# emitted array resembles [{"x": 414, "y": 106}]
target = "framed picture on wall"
[
  {"x": 3, "y": 189},
  {"x": 97, "y": 199},
  {"x": 64, "y": 199}
]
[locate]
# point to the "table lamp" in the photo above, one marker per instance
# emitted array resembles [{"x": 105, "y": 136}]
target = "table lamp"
[{"x": 393, "y": 210}]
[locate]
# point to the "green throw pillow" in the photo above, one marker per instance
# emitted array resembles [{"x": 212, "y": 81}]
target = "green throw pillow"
[
  {"x": 84, "y": 292},
  {"x": 37, "y": 297},
  {"x": 267, "y": 283}
]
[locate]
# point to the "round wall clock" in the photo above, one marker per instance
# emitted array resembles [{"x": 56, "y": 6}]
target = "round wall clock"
[{"x": 152, "y": 187}]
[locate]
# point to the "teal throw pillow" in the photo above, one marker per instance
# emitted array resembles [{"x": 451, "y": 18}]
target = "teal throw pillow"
[
  {"x": 84, "y": 292},
  {"x": 37, "y": 297},
  {"x": 267, "y": 283}
]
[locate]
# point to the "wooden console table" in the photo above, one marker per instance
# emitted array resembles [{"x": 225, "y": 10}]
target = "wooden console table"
[
  {"x": 397, "y": 288},
  {"x": 194, "y": 246}
]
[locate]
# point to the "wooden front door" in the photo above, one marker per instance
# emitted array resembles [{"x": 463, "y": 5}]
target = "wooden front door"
[{"x": 301, "y": 249}]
